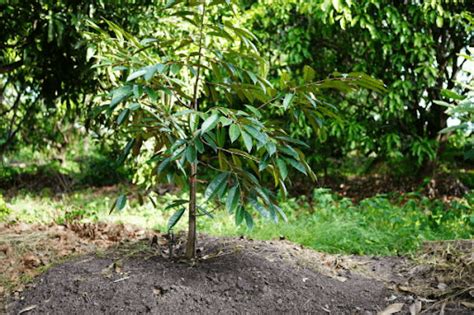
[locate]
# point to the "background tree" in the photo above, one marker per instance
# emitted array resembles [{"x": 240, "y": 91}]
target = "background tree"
[
  {"x": 413, "y": 47},
  {"x": 46, "y": 78}
]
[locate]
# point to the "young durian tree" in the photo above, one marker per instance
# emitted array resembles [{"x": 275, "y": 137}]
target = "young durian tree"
[{"x": 193, "y": 99}]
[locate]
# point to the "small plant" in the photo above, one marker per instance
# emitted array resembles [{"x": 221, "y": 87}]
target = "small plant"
[
  {"x": 4, "y": 210},
  {"x": 195, "y": 104},
  {"x": 462, "y": 109}
]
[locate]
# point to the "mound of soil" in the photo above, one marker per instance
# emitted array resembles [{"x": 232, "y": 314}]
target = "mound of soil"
[{"x": 231, "y": 276}]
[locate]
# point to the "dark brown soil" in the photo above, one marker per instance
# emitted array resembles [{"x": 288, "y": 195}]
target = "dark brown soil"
[
  {"x": 245, "y": 276},
  {"x": 233, "y": 276}
]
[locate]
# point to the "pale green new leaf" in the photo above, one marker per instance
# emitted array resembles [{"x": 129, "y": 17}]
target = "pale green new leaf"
[
  {"x": 210, "y": 123},
  {"x": 247, "y": 140},
  {"x": 288, "y": 100},
  {"x": 234, "y": 132}
]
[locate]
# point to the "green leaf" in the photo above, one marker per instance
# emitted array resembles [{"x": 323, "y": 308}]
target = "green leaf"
[
  {"x": 137, "y": 90},
  {"x": 239, "y": 215},
  {"x": 126, "y": 151},
  {"x": 123, "y": 115},
  {"x": 233, "y": 198},
  {"x": 248, "y": 219},
  {"x": 176, "y": 203},
  {"x": 234, "y": 132},
  {"x": 199, "y": 145},
  {"x": 264, "y": 162},
  {"x": 254, "y": 111},
  {"x": 134, "y": 106},
  {"x": 288, "y": 100},
  {"x": 288, "y": 151},
  {"x": 297, "y": 165},
  {"x": 308, "y": 73},
  {"x": 204, "y": 211},
  {"x": 136, "y": 74},
  {"x": 120, "y": 203},
  {"x": 151, "y": 93},
  {"x": 271, "y": 148},
  {"x": 453, "y": 95},
  {"x": 215, "y": 185},
  {"x": 118, "y": 95},
  {"x": 259, "y": 207},
  {"x": 210, "y": 142},
  {"x": 174, "y": 219},
  {"x": 257, "y": 135},
  {"x": 280, "y": 212},
  {"x": 163, "y": 165},
  {"x": 149, "y": 73},
  {"x": 210, "y": 123},
  {"x": 282, "y": 167},
  {"x": 247, "y": 141},
  {"x": 292, "y": 140},
  {"x": 175, "y": 68},
  {"x": 190, "y": 154}
]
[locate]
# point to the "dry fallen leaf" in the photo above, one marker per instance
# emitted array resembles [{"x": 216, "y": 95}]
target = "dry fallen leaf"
[
  {"x": 468, "y": 304},
  {"x": 392, "y": 309},
  {"x": 27, "y": 309},
  {"x": 415, "y": 308},
  {"x": 31, "y": 261}
]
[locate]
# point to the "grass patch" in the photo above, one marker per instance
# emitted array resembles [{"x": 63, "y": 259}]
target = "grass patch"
[{"x": 381, "y": 225}]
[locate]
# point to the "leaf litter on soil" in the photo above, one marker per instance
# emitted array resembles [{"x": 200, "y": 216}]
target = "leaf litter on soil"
[
  {"x": 27, "y": 250},
  {"x": 440, "y": 278}
]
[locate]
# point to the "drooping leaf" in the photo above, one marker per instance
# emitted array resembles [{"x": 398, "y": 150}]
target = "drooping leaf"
[
  {"x": 271, "y": 148},
  {"x": 199, "y": 145},
  {"x": 259, "y": 207},
  {"x": 120, "y": 94},
  {"x": 233, "y": 198},
  {"x": 190, "y": 153},
  {"x": 119, "y": 203},
  {"x": 247, "y": 140},
  {"x": 282, "y": 168},
  {"x": 248, "y": 220},
  {"x": 297, "y": 165},
  {"x": 123, "y": 115},
  {"x": 203, "y": 210},
  {"x": 136, "y": 74},
  {"x": 174, "y": 219},
  {"x": 239, "y": 215},
  {"x": 234, "y": 132},
  {"x": 210, "y": 123},
  {"x": 288, "y": 100},
  {"x": 176, "y": 203},
  {"x": 256, "y": 134},
  {"x": 215, "y": 185},
  {"x": 163, "y": 165}
]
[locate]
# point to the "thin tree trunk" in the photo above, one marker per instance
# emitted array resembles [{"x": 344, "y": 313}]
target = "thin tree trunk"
[{"x": 191, "y": 243}]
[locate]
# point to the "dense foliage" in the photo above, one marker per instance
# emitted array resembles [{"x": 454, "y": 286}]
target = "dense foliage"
[
  {"x": 413, "y": 47},
  {"x": 195, "y": 100},
  {"x": 46, "y": 80}
]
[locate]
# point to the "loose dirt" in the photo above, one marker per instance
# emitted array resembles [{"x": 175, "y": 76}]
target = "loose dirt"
[{"x": 230, "y": 276}]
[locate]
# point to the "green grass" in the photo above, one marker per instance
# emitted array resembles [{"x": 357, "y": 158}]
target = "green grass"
[{"x": 382, "y": 225}]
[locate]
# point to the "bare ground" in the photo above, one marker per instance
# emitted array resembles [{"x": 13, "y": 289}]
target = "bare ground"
[{"x": 230, "y": 276}]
